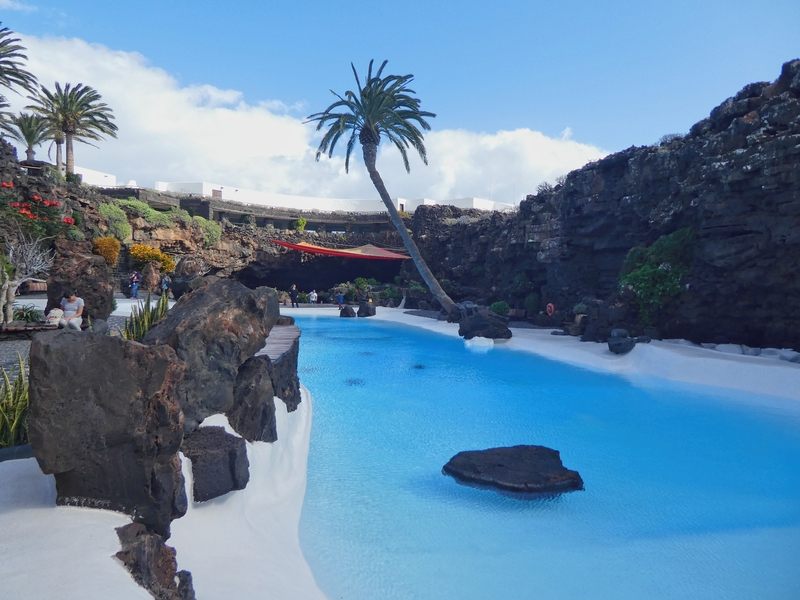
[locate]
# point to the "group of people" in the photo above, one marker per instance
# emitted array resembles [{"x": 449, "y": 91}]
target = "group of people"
[
  {"x": 135, "y": 280},
  {"x": 294, "y": 293}
]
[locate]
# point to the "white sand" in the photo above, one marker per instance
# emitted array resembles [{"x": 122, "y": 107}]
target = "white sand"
[{"x": 245, "y": 544}]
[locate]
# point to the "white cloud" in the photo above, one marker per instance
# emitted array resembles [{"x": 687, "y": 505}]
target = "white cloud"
[
  {"x": 201, "y": 132},
  {"x": 16, "y": 5}
]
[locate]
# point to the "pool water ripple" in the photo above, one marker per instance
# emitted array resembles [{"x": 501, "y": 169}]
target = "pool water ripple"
[{"x": 688, "y": 495}]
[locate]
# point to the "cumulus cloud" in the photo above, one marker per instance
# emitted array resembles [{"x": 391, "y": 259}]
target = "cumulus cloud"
[
  {"x": 16, "y": 5},
  {"x": 174, "y": 132}
]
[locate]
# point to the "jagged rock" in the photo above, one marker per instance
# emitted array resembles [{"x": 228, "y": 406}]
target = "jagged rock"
[
  {"x": 366, "y": 309},
  {"x": 75, "y": 267},
  {"x": 219, "y": 462},
  {"x": 620, "y": 341},
  {"x": 152, "y": 564},
  {"x": 734, "y": 180},
  {"x": 187, "y": 269},
  {"x": 484, "y": 323},
  {"x": 283, "y": 373},
  {"x": 150, "y": 277},
  {"x": 214, "y": 330},
  {"x": 253, "y": 412},
  {"x": 285, "y": 320},
  {"x": 347, "y": 311},
  {"x": 105, "y": 420},
  {"x": 527, "y": 469}
]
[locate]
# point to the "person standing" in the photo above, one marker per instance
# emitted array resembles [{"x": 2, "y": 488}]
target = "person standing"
[
  {"x": 293, "y": 296},
  {"x": 312, "y": 296},
  {"x": 72, "y": 306},
  {"x": 134, "y": 280},
  {"x": 166, "y": 284}
]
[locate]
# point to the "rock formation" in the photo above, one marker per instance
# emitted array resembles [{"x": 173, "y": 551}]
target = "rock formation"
[
  {"x": 734, "y": 179},
  {"x": 105, "y": 420},
  {"x": 214, "y": 330},
  {"x": 525, "y": 469},
  {"x": 219, "y": 462},
  {"x": 76, "y": 267}
]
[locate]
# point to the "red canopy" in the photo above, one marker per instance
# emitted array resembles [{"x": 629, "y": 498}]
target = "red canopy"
[{"x": 367, "y": 251}]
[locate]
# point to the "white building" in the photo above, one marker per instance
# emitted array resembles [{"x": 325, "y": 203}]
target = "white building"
[
  {"x": 96, "y": 178},
  {"x": 410, "y": 205},
  {"x": 229, "y": 192}
]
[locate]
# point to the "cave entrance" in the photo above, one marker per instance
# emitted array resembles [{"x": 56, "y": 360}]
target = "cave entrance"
[{"x": 316, "y": 272}]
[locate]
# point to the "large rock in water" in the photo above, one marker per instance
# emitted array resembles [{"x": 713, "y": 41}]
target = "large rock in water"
[
  {"x": 75, "y": 267},
  {"x": 482, "y": 322},
  {"x": 214, "y": 330},
  {"x": 105, "y": 420},
  {"x": 528, "y": 469}
]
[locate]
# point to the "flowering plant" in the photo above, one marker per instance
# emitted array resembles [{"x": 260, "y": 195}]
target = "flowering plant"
[{"x": 34, "y": 214}]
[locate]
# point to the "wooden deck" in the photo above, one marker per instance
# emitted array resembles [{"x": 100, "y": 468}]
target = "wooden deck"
[{"x": 280, "y": 340}]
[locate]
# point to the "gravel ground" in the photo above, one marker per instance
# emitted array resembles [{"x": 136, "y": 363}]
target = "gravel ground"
[{"x": 10, "y": 349}]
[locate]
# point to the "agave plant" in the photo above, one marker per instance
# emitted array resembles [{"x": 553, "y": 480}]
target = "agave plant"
[
  {"x": 14, "y": 406},
  {"x": 28, "y": 313},
  {"x": 144, "y": 316}
]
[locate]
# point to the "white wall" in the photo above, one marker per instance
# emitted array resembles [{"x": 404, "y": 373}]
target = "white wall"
[
  {"x": 98, "y": 178},
  {"x": 410, "y": 204}
]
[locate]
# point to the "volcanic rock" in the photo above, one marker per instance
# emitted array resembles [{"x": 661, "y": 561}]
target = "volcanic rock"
[
  {"x": 253, "y": 412},
  {"x": 283, "y": 371},
  {"x": 483, "y": 323},
  {"x": 105, "y": 420},
  {"x": 76, "y": 267},
  {"x": 528, "y": 469},
  {"x": 347, "y": 311},
  {"x": 219, "y": 462},
  {"x": 214, "y": 330},
  {"x": 366, "y": 309},
  {"x": 152, "y": 564}
]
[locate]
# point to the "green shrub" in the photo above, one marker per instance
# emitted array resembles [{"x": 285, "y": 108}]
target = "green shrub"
[
  {"x": 28, "y": 313},
  {"x": 117, "y": 221},
  {"x": 531, "y": 303},
  {"x": 75, "y": 234},
  {"x": 580, "y": 308},
  {"x": 302, "y": 297},
  {"x": 144, "y": 316},
  {"x": 179, "y": 215},
  {"x": 500, "y": 308},
  {"x": 14, "y": 406},
  {"x": 300, "y": 224},
  {"x": 108, "y": 247},
  {"x": 212, "y": 231},
  {"x": 654, "y": 274},
  {"x": 147, "y": 212}
]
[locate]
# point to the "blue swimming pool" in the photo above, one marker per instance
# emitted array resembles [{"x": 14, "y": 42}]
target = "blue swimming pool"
[{"x": 688, "y": 495}]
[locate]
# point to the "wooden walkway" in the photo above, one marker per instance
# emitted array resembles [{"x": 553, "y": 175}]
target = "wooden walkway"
[{"x": 280, "y": 340}]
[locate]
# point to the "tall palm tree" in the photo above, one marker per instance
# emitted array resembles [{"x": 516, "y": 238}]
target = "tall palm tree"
[
  {"x": 76, "y": 111},
  {"x": 382, "y": 107},
  {"x": 31, "y": 130},
  {"x": 12, "y": 59}
]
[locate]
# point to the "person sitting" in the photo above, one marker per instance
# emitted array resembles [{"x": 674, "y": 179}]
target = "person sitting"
[{"x": 72, "y": 306}]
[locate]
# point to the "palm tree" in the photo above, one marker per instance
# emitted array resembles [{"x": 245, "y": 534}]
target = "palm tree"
[
  {"x": 31, "y": 130},
  {"x": 383, "y": 107},
  {"x": 78, "y": 112},
  {"x": 12, "y": 58}
]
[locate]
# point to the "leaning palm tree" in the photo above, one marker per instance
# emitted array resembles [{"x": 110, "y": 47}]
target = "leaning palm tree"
[
  {"x": 76, "y": 111},
  {"x": 12, "y": 59},
  {"x": 28, "y": 129},
  {"x": 383, "y": 107}
]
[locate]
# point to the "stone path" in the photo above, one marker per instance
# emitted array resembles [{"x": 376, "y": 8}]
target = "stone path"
[{"x": 10, "y": 349}]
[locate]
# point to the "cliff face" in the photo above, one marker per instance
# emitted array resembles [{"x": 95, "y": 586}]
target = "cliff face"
[{"x": 734, "y": 179}]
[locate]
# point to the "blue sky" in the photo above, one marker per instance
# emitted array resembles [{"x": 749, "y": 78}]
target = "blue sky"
[{"x": 615, "y": 73}]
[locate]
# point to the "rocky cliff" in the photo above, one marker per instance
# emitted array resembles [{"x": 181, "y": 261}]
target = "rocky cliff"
[{"x": 734, "y": 179}]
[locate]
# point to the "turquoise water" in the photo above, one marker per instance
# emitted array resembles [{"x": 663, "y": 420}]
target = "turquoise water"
[{"x": 688, "y": 495}]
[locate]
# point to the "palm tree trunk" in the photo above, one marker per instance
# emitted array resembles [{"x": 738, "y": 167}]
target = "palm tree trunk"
[
  {"x": 70, "y": 154},
  {"x": 59, "y": 157},
  {"x": 29, "y": 153},
  {"x": 370, "y": 154}
]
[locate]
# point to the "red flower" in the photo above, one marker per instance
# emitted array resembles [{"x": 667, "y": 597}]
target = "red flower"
[
  {"x": 7, "y": 184},
  {"x": 68, "y": 220},
  {"x": 36, "y": 197}
]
